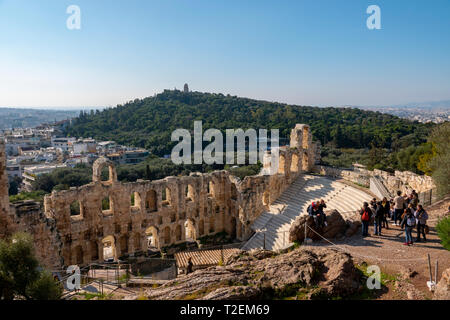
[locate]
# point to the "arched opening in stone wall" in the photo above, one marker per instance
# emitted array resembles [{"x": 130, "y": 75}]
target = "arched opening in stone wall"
[
  {"x": 281, "y": 164},
  {"x": 94, "y": 250},
  {"x": 107, "y": 204},
  {"x": 178, "y": 232},
  {"x": 201, "y": 228},
  {"x": 152, "y": 237},
  {"x": 305, "y": 162},
  {"x": 151, "y": 201},
  {"x": 75, "y": 209},
  {"x": 105, "y": 174},
  {"x": 190, "y": 193},
  {"x": 124, "y": 245},
  {"x": 109, "y": 248},
  {"x": 103, "y": 171},
  {"x": 294, "y": 163},
  {"x": 137, "y": 242},
  {"x": 189, "y": 229},
  {"x": 166, "y": 197},
  {"x": 212, "y": 225},
  {"x": 211, "y": 189},
  {"x": 135, "y": 200},
  {"x": 166, "y": 234},
  {"x": 79, "y": 255},
  {"x": 266, "y": 198}
]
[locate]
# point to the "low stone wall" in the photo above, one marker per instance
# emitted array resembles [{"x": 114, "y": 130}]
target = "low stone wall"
[{"x": 405, "y": 181}]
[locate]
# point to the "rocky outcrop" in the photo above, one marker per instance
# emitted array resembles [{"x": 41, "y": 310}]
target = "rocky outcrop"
[
  {"x": 442, "y": 291},
  {"x": 261, "y": 274},
  {"x": 336, "y": 227}
]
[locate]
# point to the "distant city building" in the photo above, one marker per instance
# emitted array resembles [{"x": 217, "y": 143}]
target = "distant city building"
[
  {"x": 31, "y": 172},
  {"x": 186, "y": 88},
  {"x": 64, "y": 144}
]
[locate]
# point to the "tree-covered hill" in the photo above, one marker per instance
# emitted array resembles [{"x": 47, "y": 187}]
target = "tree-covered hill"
[{"x": 149, "y": 122}]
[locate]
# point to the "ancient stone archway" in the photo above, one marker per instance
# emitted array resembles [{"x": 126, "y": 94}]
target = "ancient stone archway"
[
  {"x": 135, "y": 201},
  {"x": 166, "y": 197},
  {"x": 151, "y": 201},
  {"x": 190, "y": 193},
  {"x": 97, "y": 168},
  {"x": 152, "y": 237},
  {"x": 189, "y": 230},
  {"x": 211, "y": 189},
  {"x": 109, "y": 248}
]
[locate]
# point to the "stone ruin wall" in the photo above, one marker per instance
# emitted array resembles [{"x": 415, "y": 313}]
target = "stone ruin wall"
[
  {"x": 169, "y": 210},
  {"x": 405, "y": 181}
]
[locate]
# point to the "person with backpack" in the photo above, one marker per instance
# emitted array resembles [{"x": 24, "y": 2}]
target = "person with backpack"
[
  {"x": 379, "y": 214},
  {"x": 322, "y": 205},
  {"x": 421, "y": 220},
  {"x": 366, "y": 215},
  {"x": 386, "y": 212},
  {"x": 408, "y": 222},
  {"x": 399, "y": 205}
]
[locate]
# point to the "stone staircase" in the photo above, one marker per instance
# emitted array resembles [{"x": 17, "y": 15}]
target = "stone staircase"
[{"x": 294, "y": 201}]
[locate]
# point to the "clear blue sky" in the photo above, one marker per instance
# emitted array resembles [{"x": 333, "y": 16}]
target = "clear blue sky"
[{"x": 303, "y": 52}]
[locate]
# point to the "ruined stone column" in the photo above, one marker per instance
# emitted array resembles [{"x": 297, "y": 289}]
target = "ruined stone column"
[{"x": 4, "y": 196}]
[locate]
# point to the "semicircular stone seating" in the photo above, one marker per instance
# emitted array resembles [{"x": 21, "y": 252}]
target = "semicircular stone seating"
[{"x": 294, "y": 201}]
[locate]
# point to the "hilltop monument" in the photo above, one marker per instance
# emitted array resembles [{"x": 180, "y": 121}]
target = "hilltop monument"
[{"x": 186, "y": 88}]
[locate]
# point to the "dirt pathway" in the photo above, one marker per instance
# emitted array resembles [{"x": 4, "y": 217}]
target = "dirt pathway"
[{"x": 410, "y": 262}]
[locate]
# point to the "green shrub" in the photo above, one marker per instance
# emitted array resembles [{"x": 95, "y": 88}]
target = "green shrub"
[{"x": 443, "y": 230}]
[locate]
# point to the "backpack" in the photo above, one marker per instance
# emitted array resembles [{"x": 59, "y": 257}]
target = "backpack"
[
  {"x": 411, "y": 222},
  {"x": 365, "y": 216}
]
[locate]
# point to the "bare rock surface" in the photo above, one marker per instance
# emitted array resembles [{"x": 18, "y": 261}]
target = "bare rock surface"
[
  {"x": 337, "y": 227},
  {"x": 442, "y": 291},
  {"x": 262, "y": 274}
]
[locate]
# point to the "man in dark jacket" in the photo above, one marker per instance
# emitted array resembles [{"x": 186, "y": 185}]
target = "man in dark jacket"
[
  {"x": 379, "y": 215},
  {"x": 366, "y": 215},
  {"x": 421, "y": 221}
]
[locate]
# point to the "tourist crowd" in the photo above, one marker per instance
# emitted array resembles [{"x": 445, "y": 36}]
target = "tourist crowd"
[{"x": 404, "y": 211}]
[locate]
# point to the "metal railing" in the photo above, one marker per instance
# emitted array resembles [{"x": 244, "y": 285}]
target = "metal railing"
[{"x": 428, "y": 197}]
